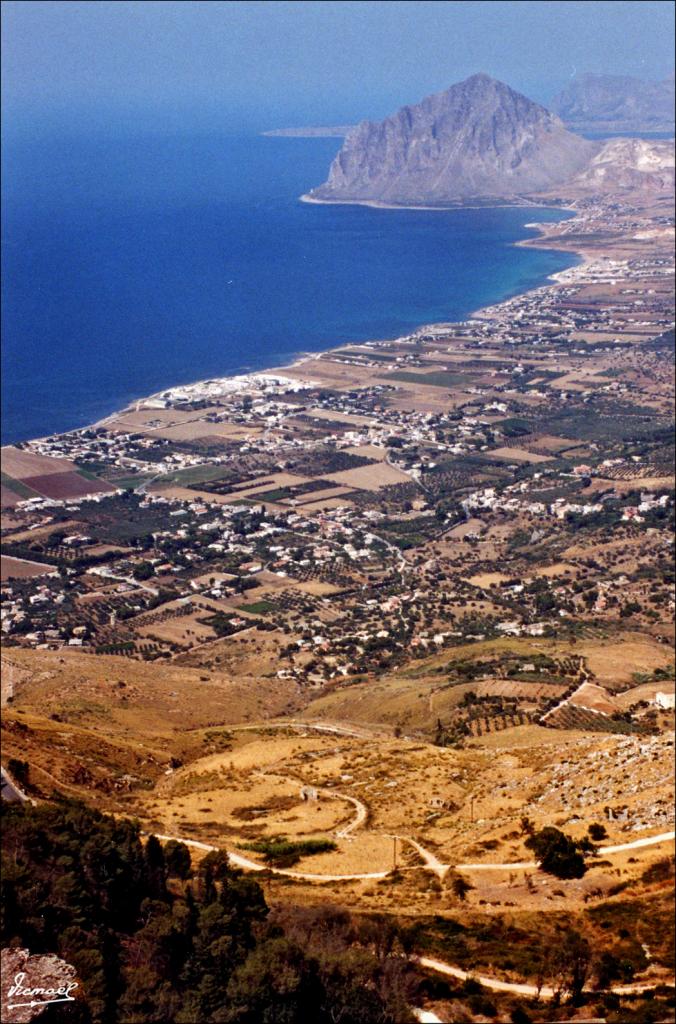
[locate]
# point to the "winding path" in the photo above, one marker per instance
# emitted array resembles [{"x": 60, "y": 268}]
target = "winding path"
[
  {"x": 251, "y": 865},
  {"x": 663, "y": 837},
  {"x": 431, "y": 862},
  {"x": 522, "y": 989}
]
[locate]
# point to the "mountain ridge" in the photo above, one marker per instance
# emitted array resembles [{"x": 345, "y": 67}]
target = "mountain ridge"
[{"x": 616, "y": 101}]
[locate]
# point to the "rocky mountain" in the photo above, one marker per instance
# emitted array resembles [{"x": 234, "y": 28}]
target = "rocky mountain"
[
  {"x": 616, "y": 102},
  {"x": 477, "y": 140}
]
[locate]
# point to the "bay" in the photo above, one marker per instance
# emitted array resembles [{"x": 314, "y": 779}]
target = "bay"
[{"x": 136, "y": 262}]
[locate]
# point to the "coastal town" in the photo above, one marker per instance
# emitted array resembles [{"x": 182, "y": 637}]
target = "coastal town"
[{"x": 353, "y": 508}]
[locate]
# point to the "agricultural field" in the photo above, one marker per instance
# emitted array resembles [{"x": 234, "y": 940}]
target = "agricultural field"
[
  {"x": 18, "y": 568},
  {"x": 27, "y": 475}
]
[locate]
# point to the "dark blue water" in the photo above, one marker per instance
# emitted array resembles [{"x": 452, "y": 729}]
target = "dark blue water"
[{"x": 131, "y": 264}]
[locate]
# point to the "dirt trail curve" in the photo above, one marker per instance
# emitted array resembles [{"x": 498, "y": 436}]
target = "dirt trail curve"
[
  {"x": 432, "y": 863},
  {"x": 251, "y": 865},
  {"x": 522, "y": 989},
  {"x": 334, "y": 728},
  {"x": 359, "y": 818},
  {"x": 636, "y": 844}
]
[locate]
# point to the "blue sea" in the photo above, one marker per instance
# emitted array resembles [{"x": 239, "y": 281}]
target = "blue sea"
[{"x": 132, "y": 263}]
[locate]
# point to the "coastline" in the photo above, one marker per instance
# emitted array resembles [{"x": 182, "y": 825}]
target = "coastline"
[
  {"x": 378, "y": 204},
  {"x": 283, "y": 369}
]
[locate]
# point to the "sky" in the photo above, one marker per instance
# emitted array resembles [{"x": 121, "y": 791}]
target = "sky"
[{"x": 238, "y": 65}]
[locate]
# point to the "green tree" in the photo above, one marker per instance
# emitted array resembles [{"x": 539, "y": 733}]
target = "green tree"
[
  {"x": 557, "y": 853},
  {"x": 572, "y": 959},
  {"x": 177, "y": 859}
]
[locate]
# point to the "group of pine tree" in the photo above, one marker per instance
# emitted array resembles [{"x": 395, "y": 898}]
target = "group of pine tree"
[{"x": 153, "y": 938}]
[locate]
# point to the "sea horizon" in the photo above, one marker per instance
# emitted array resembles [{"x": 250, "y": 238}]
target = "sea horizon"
[{"x": 164, "y": 260}]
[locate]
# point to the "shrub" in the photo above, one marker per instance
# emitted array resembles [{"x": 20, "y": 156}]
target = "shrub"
[{"x": 557, "y": 853}]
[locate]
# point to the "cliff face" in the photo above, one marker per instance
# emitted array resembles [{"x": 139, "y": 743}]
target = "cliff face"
[
  {"x": 613, "y": 101},
  {"x": 479, "y": 139}
]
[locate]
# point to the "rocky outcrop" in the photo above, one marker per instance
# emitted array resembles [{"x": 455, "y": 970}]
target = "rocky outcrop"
[
  {"x": 630, "y": 163},
  {"x": 477, "y": 140}
]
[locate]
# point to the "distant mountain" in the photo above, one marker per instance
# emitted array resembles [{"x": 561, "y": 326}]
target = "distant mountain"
[
  {"x": 477, "y": 140},
  {"x": 336, "y": 131},
  {"x": 610, "y": 102}
]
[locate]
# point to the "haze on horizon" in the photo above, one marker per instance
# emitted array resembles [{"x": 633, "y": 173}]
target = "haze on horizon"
[{"x": 239, "y": 66}]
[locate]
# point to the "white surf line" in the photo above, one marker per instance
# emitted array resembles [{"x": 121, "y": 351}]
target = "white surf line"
[{"x": 663, "y": 837}]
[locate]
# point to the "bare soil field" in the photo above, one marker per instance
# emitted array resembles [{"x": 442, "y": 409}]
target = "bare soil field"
[
  {"x": 8, "y": 497},
  {"x": 273, "y": 481},
  {"x": 615, "y": 663},
  {"x": 19, "y": 533},
  {"x": 518, "y": 455},
  {"x": 368, "y": 451},
  {"x": 65, "y": 485},
  {"x": 487, "y": 579},
  {"x": 558, "y": 569},
  {"x": 644, "y": 691},
  {"x": 464, "y": 529},
  {"x": 317, "y": 588},
  {"x": 549, "y": 443},
  {"x": 369, "y": 478},
  {"x": 19, "y": 464},
  {"x": 650, "y": 483},
  {"x": 195, "y": 429},
  {"x": 145, "y": 420},
  {"x": 317, "y": 497},
  {"x": 21, "y": 568},
  {"x": 327, "y": 503}
]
